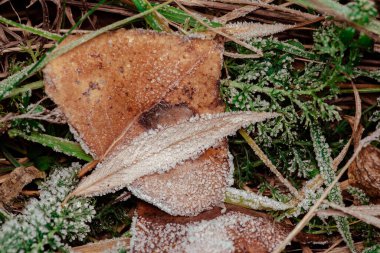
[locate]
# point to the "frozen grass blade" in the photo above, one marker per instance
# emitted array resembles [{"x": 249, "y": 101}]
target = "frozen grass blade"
[
  {"x": 153, "y": 19},
  {"x": 36, "y": 31},
  {"x": 323, "y": 157},
  {"x": 253, "y": 201},
  {"x": 27, "y": 87},
  {"x": 57, "y": 144}
]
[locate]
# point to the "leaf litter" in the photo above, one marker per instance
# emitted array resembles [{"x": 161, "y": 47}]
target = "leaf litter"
[
  {"x": 235, "y": 230},
  {"x": 110, "y": 102}
]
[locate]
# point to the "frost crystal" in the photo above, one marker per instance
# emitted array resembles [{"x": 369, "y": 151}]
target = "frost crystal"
[{"x": 45, "y": 224}]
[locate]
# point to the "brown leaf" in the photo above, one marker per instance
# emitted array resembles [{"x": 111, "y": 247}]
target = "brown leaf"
[
  {"x": 235, "y": 230},
  {"x": 105, "y": 86},
  {"x": 364, "y": 172},
  {"x": 16, "y": 181},
  {"x": 126, "y": 82}
]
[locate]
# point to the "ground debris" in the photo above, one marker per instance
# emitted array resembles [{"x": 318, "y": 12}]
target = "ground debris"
[
  {"x": 129, "y": 81},
  {"x": 364, "y": 172},
  {"x": 16, "y": 181}
]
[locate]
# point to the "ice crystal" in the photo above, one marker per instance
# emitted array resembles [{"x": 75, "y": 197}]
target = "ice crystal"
[
  {"x": 160, "y": 150},
  {"x": 46, "y": 225}
]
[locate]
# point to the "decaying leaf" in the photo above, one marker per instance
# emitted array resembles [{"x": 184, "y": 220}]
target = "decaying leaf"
[
  {"x": 364, "y": 172},
  {"x": 235, "y": 230},
  {"x": 127, "y": 82},
  {"x": 160, "y": 150},
  {"x": 17, "y": 179}
]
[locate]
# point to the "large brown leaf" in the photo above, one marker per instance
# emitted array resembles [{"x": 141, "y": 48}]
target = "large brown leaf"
[{"x": 126, "y": 82}]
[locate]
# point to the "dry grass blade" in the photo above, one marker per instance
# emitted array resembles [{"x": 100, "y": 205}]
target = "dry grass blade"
[
  {"x": 232, "y": 38},
  {"x": 161, "y": 150},
  {"x": 269, "y": 163},
  {"x": 369, "y": 219}
]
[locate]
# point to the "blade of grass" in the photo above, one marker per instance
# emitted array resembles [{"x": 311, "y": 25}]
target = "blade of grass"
[
  {"x": 57, "y": 144},
  {"x": 325, "y": 163},
  {"x": 340, "y": 11},
  {"x": 153, "y": 19},
  {"x": 179, "y": 16},
  {"x": 24, "y": 88},
  {"x": 34, "y": 30},
  {"x": 10, "y": 157}
]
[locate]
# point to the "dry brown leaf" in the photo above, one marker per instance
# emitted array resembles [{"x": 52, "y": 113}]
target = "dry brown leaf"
[
  {"x": 127, "y": 82},
  {"x": 364, "y": 172},
  {"x": 235, "y": 230},
  {"x": 105, "y": 85},
  {"x": 16, "y": 181}
]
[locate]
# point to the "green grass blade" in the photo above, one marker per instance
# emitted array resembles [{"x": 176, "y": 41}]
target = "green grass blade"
[
  {"x": 57, "y": 144},
  {"x": 323, "y": 157},
  {"x": 179, "y": 16},
  {"x": 26, "y": 87},
  {"x": 152, "y": 19},
  {"x": 36, "y": 31}
]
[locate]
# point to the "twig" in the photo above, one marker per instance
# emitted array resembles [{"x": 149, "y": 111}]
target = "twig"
[
  {"x": 237, "y": 41},
  {"x": 269, "y": 163}
]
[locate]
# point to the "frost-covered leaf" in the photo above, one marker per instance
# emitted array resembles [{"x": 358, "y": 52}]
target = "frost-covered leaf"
[
  {"x": 105, "y": 85},
  {"x": 124, "y": 83},
  {"x": 249, "y": 30},
  {"x": 160, "y": 150},
  {"x": 192, "y": 187},
  {"x": 236, "y": 230}
]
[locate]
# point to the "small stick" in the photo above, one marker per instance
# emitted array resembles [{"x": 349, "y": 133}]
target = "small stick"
[{"x": 268, "y": 163}]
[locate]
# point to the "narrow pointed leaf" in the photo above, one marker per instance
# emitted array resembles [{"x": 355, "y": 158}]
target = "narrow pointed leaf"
[
  {"x": 249, "y": 30},
  {"x": 57, "y": 144},
  {"x": 161, "y": 150}
]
